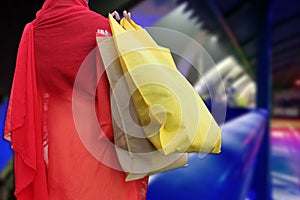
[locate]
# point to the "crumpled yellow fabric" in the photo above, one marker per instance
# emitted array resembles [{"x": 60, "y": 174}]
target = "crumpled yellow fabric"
[{"x": 173, "y": 115}]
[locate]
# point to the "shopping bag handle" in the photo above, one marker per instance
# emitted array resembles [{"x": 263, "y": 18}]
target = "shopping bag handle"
[
  {"x": 123, "y": 26},
  {"x": 129, "y": 24},
  {"x": 116, "y": 28}
]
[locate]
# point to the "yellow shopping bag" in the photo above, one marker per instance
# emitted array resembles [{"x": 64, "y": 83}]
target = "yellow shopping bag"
[
  {"x": 136, "y": 154},
  {"x": 173, "y": 116}
]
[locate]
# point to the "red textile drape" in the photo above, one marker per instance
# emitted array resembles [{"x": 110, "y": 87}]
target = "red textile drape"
[
  {"x": 23, "y": 125},
  {"x": 40, "y": 121}
]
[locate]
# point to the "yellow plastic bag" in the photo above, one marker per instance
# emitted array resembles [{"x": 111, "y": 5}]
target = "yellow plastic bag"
[
  {"x": 173, "y": 116},
  {"x": 136, "y": 154}
]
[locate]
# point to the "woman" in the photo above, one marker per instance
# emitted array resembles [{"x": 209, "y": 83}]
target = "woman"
[{"x": 50, "y": 160}]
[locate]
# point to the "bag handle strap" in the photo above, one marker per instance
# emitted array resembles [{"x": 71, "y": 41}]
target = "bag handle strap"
[
  {"x": 116, "y": 28},
  {"x": 123, "y": 26}
]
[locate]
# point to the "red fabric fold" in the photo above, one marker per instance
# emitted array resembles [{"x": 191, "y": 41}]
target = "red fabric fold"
[
  {"x": 39, "y": 115},
  {"x": 24, "y": 125}
]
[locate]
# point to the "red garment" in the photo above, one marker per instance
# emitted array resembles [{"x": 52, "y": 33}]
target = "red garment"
[{"x": 40, "y": 112}]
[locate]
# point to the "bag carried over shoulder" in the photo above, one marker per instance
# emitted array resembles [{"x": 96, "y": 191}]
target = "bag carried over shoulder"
[
  {"x": 137, "y": 155},
  {"x": 152, "y": 103}
]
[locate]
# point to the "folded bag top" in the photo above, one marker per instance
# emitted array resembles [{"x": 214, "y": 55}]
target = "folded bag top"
[{"x": 172, "y": 114}]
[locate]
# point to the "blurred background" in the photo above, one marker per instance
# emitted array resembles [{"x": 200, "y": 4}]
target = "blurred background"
[{"x": 254, "y": 50}]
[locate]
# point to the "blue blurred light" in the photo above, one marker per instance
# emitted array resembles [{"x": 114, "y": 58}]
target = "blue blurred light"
[{"x": 5, "y": 150}]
